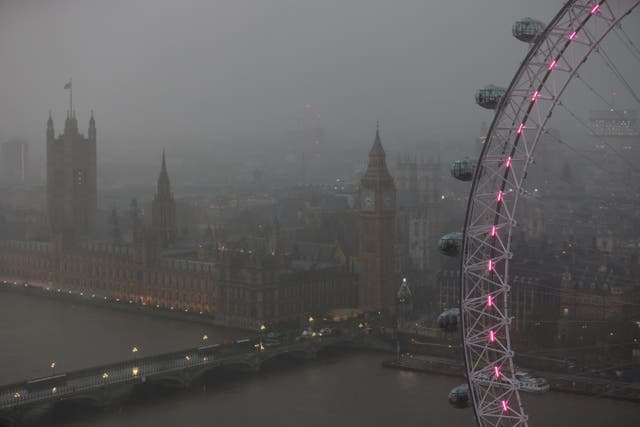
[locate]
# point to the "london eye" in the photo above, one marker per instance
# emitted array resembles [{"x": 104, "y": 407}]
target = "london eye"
[{"x": 554, "y": 60}]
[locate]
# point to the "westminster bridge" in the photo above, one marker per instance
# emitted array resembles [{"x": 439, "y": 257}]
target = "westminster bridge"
[{"x": 101, "y": 385}]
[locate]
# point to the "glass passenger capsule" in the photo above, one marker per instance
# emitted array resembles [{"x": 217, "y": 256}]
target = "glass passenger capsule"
[
  {"x": 449, "y": 319},
  {"x": 459, "y": 396},
  {"x": 527, "y": 30},
  {"x": 489, "y": 96},
  {"x": 463, "y": 169},
  {"x": 450, "y": 244}
]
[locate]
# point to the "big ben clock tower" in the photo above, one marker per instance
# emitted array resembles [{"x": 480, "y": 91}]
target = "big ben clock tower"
[{"x": 377, "y": 207}]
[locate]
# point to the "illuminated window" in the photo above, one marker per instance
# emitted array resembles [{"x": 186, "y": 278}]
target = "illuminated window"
[{"x": 565, "y": 311}]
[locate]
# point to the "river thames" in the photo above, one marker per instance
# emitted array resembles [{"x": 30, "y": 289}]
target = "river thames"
[{"x": 338, "y": 389}]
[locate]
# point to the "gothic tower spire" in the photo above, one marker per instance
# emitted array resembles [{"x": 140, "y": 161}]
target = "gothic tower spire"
[
  {"x": 163, "y": 208},
  {"x": 92, "y": 128},
  {"x": 377, "y": 167},
  {"x": 50, "y": 130},
  {"x": 164, "y": 185}
]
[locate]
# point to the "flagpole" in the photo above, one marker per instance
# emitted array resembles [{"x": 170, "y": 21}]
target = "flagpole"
[{"x": 70, "y": 97}]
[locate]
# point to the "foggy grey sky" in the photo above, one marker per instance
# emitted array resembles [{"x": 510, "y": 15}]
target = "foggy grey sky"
[{"x": 162, "y": 73}]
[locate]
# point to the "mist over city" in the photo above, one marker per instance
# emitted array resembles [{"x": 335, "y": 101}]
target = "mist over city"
[{"x": 350, "y": 213}]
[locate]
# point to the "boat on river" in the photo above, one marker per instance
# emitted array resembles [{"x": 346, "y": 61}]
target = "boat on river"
[{"x": 531, "y": 384}]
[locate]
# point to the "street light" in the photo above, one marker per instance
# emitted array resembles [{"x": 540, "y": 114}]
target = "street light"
[
  {"x": 205, "y": 337},
  {"x": 311, "y": 319},
  {"x": 53, "y": 368},
  {"x": 134, "y": 350},
  {"x": 262, "y": 329},
  {"x": 105, "y": 376},
  {"x": 135, "y": 371}
]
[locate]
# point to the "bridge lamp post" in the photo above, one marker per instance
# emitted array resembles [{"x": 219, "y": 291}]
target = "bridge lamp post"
[
  {"x": 205, "y": 337},
  {"x": 262, "y": 329},
  {"x": 135, "y": 371},
  {"x": 53, "y": 368},
  {"x": 134, "y": 350},
  {"x": 105, "y": 376}
]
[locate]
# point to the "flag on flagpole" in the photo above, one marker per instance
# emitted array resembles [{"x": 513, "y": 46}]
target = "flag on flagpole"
[{"x": 68, "y": 85}]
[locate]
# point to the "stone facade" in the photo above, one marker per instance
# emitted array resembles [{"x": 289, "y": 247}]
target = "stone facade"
[
  {"x": 245, "y": 282},
  {"x": 238, "y": 289}
]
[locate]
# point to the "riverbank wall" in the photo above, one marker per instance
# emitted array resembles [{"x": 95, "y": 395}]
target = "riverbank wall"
[
  {"x": 108, "y": 303},
  {"x": 576, "y": 384}
]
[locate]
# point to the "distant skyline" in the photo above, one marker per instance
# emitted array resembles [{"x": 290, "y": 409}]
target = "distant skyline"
[
  {"x": 230, "y": 79},
  {"x": 159, "y": 73}
]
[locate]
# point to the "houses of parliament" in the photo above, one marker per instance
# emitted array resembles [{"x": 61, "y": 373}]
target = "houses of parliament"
[{"x": 260, "y": 279}]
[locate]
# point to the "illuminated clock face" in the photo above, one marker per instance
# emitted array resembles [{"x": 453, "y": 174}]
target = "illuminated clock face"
[
  {"x": 388, "y": 201},
  {"x": 369, "y": 200}
]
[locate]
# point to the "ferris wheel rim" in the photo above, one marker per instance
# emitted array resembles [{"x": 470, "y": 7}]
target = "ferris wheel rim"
[{"x": 499, "y": 393}]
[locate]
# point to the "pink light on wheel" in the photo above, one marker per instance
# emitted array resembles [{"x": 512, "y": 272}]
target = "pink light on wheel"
[
  {"x": 535, "y": 96},
  {"x": 595, "y": 9},
  {"x": 493, "y": 231},
  {"x": 552, "y": 65},
  {"x": 492, "y": 336},
  {"x": 499, "y": 196},
  {"x": 573, "y": 35},
  {"x": 489, "y": 300},
  {"x": 508, "y": 163},
  {"x": 520, "y": 128},
  {"x": 490, "y": 265},
  {"x": 496, "y": 371},
  {"x": 505, "y": 407}
]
